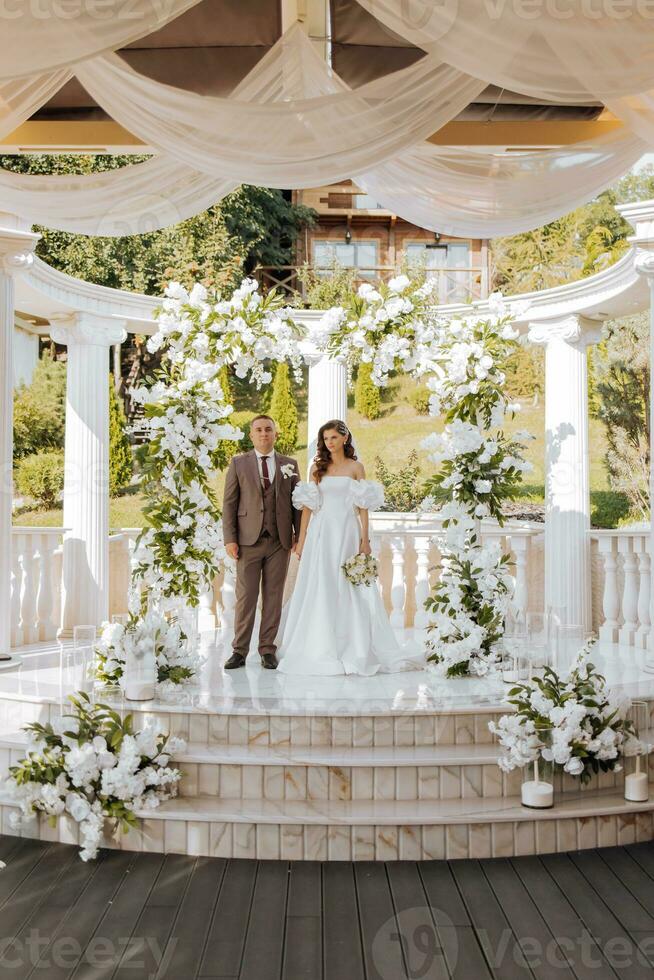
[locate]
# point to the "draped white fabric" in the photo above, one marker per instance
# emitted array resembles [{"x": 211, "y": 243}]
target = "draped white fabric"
[
  {"x": 37, "y": 37},
  {"x": 466, "y": 193},
  {"x": 562, "y": 50},
  {"x": 130, "y": 201},
  {"x": 21, "y": 97},
  {"x": 293, "y": 122},
  {"x": 296, "y": 143}
]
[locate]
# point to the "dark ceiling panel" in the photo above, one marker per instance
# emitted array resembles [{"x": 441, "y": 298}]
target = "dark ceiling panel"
[{"x": 215, "y": 23}]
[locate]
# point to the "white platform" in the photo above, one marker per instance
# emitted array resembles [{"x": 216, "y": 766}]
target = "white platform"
[{"x": 396, "y": 766}]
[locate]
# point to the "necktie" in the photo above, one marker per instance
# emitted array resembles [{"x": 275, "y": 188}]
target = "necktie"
[{"x": 264, "y": 472}]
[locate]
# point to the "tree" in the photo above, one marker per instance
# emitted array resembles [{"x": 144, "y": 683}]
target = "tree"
[
  {"x": 622, "y": 383},
  {"x": 578, "y": 244},
  {"x": 284, "y": 410},
  {"x": 366, "y": 393},
  {"x": 40, "y": 409},
  {"x": 120, "y": 454},
  {"x": 251, "y": 226}
]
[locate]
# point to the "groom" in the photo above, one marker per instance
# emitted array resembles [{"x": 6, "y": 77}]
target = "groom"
[{"x": 260, "y": 527}]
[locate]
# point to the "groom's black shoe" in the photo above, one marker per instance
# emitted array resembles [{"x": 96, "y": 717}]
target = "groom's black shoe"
[
  {"x": 236, "y": 660},
  {"x": 269, "y": 660}
]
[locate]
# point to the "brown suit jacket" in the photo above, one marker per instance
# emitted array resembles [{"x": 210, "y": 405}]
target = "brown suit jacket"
[{"x": 243, "y": 501}]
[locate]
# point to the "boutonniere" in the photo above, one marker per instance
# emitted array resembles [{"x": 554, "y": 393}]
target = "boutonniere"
[{"x": 288, "y": 470}]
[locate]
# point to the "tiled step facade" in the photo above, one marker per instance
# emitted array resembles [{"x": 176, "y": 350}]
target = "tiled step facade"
[
  {"x": 363, "y": 831},
  {"x": 350, "y": 787}
]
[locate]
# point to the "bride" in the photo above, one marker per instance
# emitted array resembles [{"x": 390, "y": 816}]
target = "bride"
[{"x": 329, "y": 625}]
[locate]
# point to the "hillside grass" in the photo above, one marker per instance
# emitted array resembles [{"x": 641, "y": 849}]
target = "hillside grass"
[{"x": 392, "y": 436}]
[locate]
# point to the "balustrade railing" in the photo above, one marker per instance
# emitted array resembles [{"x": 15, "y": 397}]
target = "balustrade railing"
[
  {"x": 35, "y": 584},
  {"x": 622, "y": 586},
  {"x": 406, "y": 545}
]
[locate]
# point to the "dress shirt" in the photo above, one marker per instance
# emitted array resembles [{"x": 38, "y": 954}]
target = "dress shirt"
[{"x": 272, "y": 464}]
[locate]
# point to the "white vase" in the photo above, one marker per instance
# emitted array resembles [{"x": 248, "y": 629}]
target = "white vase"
[{"x": 139, "y": 677}]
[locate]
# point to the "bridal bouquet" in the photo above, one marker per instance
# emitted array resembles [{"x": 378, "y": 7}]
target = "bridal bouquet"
[
  {"x": 175, "y": 663},
  {"x": 361, "y": 569},
  {"x": 93, "y": 766},
  {"x": 587, "y": 721}
]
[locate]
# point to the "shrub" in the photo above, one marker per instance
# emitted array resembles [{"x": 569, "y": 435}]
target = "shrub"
[
  {"x": 419, "y": 398},
  {"x": 403, "y": 488},
  {"x": 284, "y": 410},
  {"x": 121, "y": 465},
  {"x": 40, "y": 409},
  {"x": 227, "y": 447},
  {"x": 242, "y": 420},
  {"x": 328, "y": 287},
  {"x": 41, "y": 477},
  {"x": 609, "y": 508},
  {"x": 366, "y": 393}
]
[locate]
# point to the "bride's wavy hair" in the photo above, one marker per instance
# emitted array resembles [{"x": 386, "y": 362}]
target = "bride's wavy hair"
[{"x": 323, "y": 457}]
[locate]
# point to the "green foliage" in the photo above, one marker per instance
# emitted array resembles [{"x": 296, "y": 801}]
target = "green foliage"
[
  {"x": 329, "y": 288},
  {"x": 40, "y": 409},
  {"x": 609, "y": 508},
  {"x": 284, "y": 410},
  {"x": 419, "y": 398},
  {"x": 227, "y": 447},
  {"x": 366, "y": 393},
  {"x": 121, "y": 464},
  {"x": 622, "y": 386},
  {"x": 525, "y": 372},
  {"x": 578, "y": 244},
  {"x": 41, "y": 477},
  {"x": 251, "y": 226},
  {"x": 243, "y": 420},
  {"x": 403, "y": 487}
]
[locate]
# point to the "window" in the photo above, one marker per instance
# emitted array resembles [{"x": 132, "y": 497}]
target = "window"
[
  {"x": 450, "y": 263},
  {"x": 365, "y": 202},
  {"x": 355, "y": 255}
]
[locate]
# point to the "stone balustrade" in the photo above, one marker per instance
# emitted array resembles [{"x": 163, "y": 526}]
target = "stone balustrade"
[
  {"x": 622, "y": 586},
  {"x": 36, "y": 574},
  {"x": 405, "y": 544}
]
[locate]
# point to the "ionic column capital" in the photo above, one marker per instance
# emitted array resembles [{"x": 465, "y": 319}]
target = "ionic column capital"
[
  {"x": 89, "y": 329},
  {"x": 17, "y": 244},
  {"x": 573, "y": 329}
]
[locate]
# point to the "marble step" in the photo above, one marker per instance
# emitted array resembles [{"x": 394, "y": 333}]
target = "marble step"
[
  {"x": 370, "y": 830},
  {"x": 261, "y": 725},
  {"x": 441, "y": 772}
]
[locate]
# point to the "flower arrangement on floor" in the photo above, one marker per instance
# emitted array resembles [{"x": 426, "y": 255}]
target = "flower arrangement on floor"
[
  {"x": 187, "y": 420},
  {"x": 147, "y": 634},
  {"x": 93, "y": 766},
  {"x": 585, "y": 720},
  {"x": 361, "y": 569}
]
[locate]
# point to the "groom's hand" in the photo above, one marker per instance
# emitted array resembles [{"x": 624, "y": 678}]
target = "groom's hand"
[{"x": 232, "y": 550}]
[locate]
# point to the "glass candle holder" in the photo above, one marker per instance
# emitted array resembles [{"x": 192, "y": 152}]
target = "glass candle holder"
[
  {"x": 121, "y": 618},
  {"x": 570, "y": 639},
  {"x": 636, "y": 780},
  {"x": 84, "y": 636},
  {"x": 538, "y": 778},
  {"x": 539, "y": 640}
]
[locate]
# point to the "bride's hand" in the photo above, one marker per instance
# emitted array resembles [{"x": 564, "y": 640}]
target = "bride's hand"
[
  {"x": 364, "y": 547},
  {"x": 298, "y": 551}
]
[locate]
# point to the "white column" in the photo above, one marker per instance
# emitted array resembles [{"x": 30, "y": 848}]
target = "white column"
[
  {"x": 327, "y": 395},
  {"x": 644, "y": 265},
  {"x": 85, "y": 599},
  {"x": 567, "y": 471},
  {"x": 16, "y": 248}
]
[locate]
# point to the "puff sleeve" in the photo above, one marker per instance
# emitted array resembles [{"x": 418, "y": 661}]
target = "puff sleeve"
[
  {"x": 306, "y": 495},
  {"x": 367, "y": 494}
]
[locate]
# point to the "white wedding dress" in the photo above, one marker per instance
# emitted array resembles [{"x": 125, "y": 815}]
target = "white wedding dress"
[{"x": 330, "y": 626}]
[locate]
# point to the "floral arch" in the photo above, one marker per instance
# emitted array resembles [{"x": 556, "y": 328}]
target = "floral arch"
[{"x": 393, "y": 327}]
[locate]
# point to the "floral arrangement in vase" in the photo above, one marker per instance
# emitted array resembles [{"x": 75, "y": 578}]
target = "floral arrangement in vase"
[
  {"x": 93, "y": 766},
  {"x": 146, "y": 635},
  {"x": 586, "y": 723}
]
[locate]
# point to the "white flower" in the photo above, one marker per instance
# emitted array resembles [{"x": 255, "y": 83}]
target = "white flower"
[
  {"x": 288, "y": 470},
  {"x": 399, "y": 284}
]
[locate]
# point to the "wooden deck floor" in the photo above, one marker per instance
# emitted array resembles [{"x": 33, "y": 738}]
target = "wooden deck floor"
[{"x": 587, "y": 915}]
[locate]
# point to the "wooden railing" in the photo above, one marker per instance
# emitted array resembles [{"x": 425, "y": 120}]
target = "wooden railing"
[{"x": 454, "y": 285}]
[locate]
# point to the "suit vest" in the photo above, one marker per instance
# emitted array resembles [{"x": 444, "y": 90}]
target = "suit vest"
[{"x": 270, "y": 511}]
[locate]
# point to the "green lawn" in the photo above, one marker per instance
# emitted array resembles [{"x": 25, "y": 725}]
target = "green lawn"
[{"x": 393, "y": 436}]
